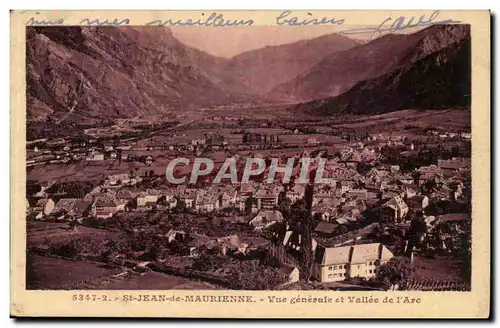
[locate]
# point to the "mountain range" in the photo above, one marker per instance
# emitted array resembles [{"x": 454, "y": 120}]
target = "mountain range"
[{"x": 131, "y": 71}]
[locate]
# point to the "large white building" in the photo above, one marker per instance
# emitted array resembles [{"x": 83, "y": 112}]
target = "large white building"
[{"x": 340, "y": 263}]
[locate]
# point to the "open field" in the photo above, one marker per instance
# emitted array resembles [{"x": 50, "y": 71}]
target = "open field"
[
  {"x": 437, "y": 269},
  {"x": 158, "y": 281},
  {"x": 38, "y": 233},
  {"x": 450, "y": 119},
  {"x": 53, "y": 273}
]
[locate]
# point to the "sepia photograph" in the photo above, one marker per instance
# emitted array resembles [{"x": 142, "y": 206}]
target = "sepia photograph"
[
  {"x": 278, "y": 163},
  {"x": 109, "y": 109}
]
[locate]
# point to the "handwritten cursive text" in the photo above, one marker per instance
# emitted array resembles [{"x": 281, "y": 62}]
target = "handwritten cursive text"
[
  {"x": 214, "y": 20},
  {"x": 35, "y": 22},
  {"x": 105, "y": 22},
  {"x": 284, "y": 19},
  {"x": 400, "y": 23}
]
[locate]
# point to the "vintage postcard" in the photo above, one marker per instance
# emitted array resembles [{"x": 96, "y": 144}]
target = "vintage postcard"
[{"x": 250, "y": 164}]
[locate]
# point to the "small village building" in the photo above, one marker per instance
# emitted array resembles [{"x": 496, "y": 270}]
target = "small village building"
[
  {"x": 189, "y": 201},
  {"x": 116, "y": 179},
  {"x": 326, "y": 229},
  {"x": 266, "y": 218},
  {"x": 228, "y": 243},
  {"x": 44, "y": 206},
  {"x": 104, "y": 206},
  {"x": 95, "y": 156},
  {"x": 291, "y": 273},
  {"x": 177, "y": 235},
  {"x": 454, "y": 164},
  {"x": 148, "y": 198},
  {"x": 266, "y": 200},
  {"x": 340, "y": 263},
  {"x": 418, "y": 202},
  {"x": 197, "y": 243},
  {"x": 64, "y": 206},
  {"x": 82, "y": 207},
  {"x": 394, "y": 210},
  {"x": 410, "y": 190}
]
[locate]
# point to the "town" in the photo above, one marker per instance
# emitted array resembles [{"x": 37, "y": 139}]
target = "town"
[{"x": 393, "y": 214}]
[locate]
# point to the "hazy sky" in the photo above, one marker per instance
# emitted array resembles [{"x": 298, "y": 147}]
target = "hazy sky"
[
  {"x": 227, "y": 42},
  {"x": 230, "y": 41}
]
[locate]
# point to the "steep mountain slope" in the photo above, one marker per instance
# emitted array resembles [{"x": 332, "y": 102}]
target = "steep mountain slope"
[
  {"x": 259, "y": 71},
  {"x": 129, "y": 71},
  {"x": 110, "y": 71},
  {"x": 342, "y": 70},
  {"x": 439, "y": 80}
]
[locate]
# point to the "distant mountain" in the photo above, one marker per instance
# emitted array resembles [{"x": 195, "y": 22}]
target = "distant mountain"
[
  {"x": 439, "y": 80},
  {"x": 109, "y": 71},
  {"x": 128, "y": 71},
  {"x": 342, "y": 70},
  {"x": 259, "y": 71},
  {"x": 100, "y": 72}
]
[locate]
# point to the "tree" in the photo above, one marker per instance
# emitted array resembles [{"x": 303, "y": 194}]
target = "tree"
[
  {"x": 418, "y": 228},
  {"x": 209, "y": 262},
  {"x": 249, "y": 275},
  {"x": 395, "y": 272},
  {"x": 284, "y": 204},
  {"x": 249, "y": 202},
  {"x": 180, "y": 207}
]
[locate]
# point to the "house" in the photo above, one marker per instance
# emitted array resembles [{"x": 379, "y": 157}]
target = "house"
[
  {"x": 455, "y": 217},
  {"x": 231, "y": 242},
  {"x": 207, "y": 203},
  {"x": 244, "y": 203},
  {"x": 95, "y": 156},
  {"x": 429, "y": 172},
  {"x": 325, "y": 210},
  {"x": 343, "y": 186},
  {"x": 81, "y": 207},
  {"x": 189, "y": 201},
  {"x": 225, "y": 200},
  {"x": 340, "y": 263},
  {"x": 125, "y": 194},
  {"x": 44, "y": 207},
  {"x": 148, "y": 198},
  {"x": 178, "y": 235},
  {"x": 197, "y": 243},
  {"x": 104, "y": 206},
  {"x": 312, "y": 141},
  {"x": 245, "y": 191},
  {"x": 418, "y": 202},
  {"x": 406, "y": 178},
  {"x": 116, "y": 179},
  {"x": 64, "y": 206},
  {"x": 454, "y": 164},
  {"x": 266, "y": 200},
  {"x": 266, "y": 218},
  {"x": 291, "y": 273},
  {"x": 366, "y": 258},
  {"x": 394, "y": 210},
  {"x": 361, "y": 194},
  {"x": 332, "y": 264},
  {"x": 326, "y": 229},
  {"x": 410, "y": 190}
]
